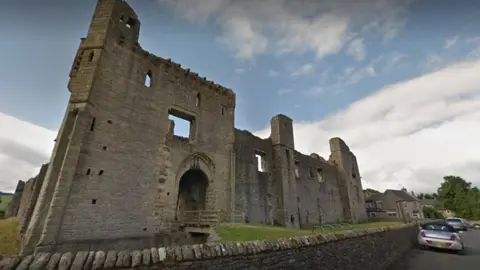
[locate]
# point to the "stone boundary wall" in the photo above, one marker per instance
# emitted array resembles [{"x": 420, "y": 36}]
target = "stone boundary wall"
[{"x": 368, "y": 249}]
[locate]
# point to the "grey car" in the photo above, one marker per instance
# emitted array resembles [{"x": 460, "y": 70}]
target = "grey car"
[
  {"x": 440, "y": 235},
  {"x": 457, "y": 223}
]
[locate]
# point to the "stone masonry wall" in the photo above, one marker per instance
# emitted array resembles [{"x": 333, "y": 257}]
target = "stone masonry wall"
[
  {"x": 14, "y": 205},
  {"x": 119, "y": 165},
  {"x": 370, "y": 249},
  {"x": 317, "y": 197}
]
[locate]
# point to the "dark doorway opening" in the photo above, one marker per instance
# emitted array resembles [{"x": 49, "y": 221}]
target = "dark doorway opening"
[{"x": 192, "y": 193}]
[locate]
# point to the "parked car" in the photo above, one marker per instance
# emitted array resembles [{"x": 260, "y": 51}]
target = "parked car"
[
  {"x": 457, "y": 223},
  {"x": 438, "y": 234},
  {"x": 475, "y": 224}
]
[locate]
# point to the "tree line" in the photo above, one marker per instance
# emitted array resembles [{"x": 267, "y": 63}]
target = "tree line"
[{"x": 457, "y": 195}]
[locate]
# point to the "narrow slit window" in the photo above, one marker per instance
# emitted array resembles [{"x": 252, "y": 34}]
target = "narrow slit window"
[
  {"x": 94, "y": 201},
  {"x": 223, "y": 110},
  {"x": 197, "y": 100},
  {"x": 90, "y": 57},
  {"x": 148, "y": 79},
  {"x": 88, "y": 171},
  {"x": 92, "y": 125},
  {"x": 100, "y": 172}
]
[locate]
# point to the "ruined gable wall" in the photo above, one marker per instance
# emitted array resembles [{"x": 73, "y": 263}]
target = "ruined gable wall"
[
  {"x": 254, "y": 190},
  {"x": 319, "y": 199},
  {"x": 14, "y": 205},
  {"x": 125, "y": 175},
  {"x": 351, "y": 190}
]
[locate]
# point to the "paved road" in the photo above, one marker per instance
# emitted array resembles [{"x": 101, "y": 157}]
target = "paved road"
[{"x": 440, "y": 260}]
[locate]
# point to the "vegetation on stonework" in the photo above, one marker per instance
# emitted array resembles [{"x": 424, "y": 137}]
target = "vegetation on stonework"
[
  {"x": 247, "y": 232},
  {"x": 8, "y": 237},
  {"x": 457, "y": 195}
]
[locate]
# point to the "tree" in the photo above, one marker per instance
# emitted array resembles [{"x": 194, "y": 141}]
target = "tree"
[{"x": 457, "y": 195}]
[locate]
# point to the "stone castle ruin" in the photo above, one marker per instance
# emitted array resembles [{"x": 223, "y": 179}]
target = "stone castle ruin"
[{"x": 119, "y": 177}]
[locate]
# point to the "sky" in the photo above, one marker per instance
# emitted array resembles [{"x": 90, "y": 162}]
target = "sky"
[{"x": 399, "y": 81}]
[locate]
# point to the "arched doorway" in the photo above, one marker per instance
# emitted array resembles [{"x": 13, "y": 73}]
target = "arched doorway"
[{"x": 192, "y": 193}]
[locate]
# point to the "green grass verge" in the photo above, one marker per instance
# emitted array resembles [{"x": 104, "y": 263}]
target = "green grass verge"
[
  {"x": 244, "y": 232},
  {"x": 8, "y": 237}
]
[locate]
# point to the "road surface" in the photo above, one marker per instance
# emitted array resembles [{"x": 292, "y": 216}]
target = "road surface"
[{"x": 440, "y": 260}]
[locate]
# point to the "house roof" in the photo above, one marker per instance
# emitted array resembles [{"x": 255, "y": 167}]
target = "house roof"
[
  {"x": 375, "y": 197},
  {"x": 429, "y": 202},
  {"x": 402, "y": 195}
]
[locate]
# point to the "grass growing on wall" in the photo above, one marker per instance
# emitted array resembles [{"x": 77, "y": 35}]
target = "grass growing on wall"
[
  {"x": 8, "y": 237},
  {"x": 247, "y": 232}
]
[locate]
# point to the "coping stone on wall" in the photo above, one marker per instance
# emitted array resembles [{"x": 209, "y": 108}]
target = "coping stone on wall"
[{"x": 95, "y": 260}]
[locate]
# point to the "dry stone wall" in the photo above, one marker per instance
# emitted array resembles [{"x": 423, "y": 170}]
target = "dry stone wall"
[{"x": 357, "y": 249}]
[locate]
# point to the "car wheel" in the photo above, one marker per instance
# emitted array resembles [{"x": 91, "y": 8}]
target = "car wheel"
[
  {"x": 462, "y": 252},
  {"x": 422, "y": 247}
]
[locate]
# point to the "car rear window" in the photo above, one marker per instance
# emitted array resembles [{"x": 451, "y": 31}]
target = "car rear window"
[
  {"x": 454, "y": 220},
  {"x": 438, "y": 227}
]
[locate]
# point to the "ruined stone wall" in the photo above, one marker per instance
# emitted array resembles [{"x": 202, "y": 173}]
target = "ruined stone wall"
[
  {"x": 317, "y": 192},
  {"x": 254, "y": 189},
  {"x": 370, "y": 249},
  {"x": 349, "y": 180},
  {"x": 116, "y": 165},
  {"x": 14, "y": 205},
  {"x": 29, "y": 200}
]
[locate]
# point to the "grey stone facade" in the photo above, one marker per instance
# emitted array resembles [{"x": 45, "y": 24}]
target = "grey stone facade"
[
  {"x": 119, "y": 176},
  {"x": 370, "y": 249}
]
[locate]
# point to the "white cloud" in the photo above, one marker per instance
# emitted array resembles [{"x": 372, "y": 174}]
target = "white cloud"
[
  {"x": 251, "y": 27},
  {"x": 273, "y": 73},
  {"x": 450, "y": 42},
  {"x": 303, "y": 70},
  {"x": 411, "y": 133},
  {"x": 24, "y": 147},
  {"x": 356, "y": 49}
]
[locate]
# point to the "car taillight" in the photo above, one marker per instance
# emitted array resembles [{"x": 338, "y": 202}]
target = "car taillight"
[
  {"x": 422, "y": 234},
  {"x": 453, "y": 237}
]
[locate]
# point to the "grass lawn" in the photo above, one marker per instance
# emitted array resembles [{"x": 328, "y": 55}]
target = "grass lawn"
[
  {"x": 8, "y": 237},
  {"x": 243, "y": 232}
]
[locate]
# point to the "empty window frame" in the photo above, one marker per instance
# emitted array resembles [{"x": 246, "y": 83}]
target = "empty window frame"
[
  {"x": 148, "y": 79},
  {"x": 183, "y": 124},
  {"x": 261, "y": 161},
  {"x": 320, "y": 175},
  {"x": 297, "y": 169}
]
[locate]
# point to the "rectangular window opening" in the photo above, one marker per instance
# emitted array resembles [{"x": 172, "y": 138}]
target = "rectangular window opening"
[
  {"x": 297, "y": 169},
  {"x": 183, "y": 124},
  {"x": 261, "y": 161},
  {"x": 320, "y": 175}
]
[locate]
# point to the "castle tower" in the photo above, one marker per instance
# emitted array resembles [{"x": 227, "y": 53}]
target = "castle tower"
[
  {"x": 349, "y": 181},
  {"x": 284, "y": 170},
  {"x": 118, "y": 173}
]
